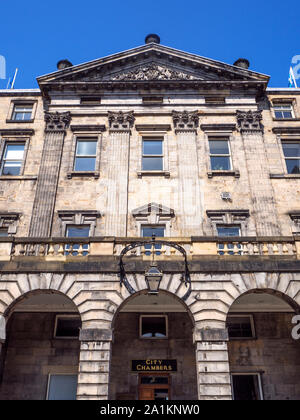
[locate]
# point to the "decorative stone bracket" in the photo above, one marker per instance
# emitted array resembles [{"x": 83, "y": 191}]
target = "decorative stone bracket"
[
  {"x": 57, "y": 122},
  {"x": 120, "y": 121},
  {"x": 249, "y": 121},
  {"x": 185, "y": 121}
]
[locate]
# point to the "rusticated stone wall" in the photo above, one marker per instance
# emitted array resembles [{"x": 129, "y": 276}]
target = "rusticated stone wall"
[
  {"x": 273, "y": 353},
  {"x": 128, "y": 346},
  {"x": 31, "y": 353}
]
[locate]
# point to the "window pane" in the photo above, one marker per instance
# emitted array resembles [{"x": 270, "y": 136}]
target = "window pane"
[
  {"x": 67, "y": 327},
  {"x": 159, "y": 232},
  {"x": 293, "y": 166},
  {"x": 239, "y": 327},
  {"x": 220, "y": 163},
  {"x": 218, "y": 147},
  {"x": 11, "y": 168},
  {"x": 85, "y": 164},
  {"x": 14, "y": 151},
  {"x": 278, "y": 114},
  {"x": 154, "y": 380},
  {"x": 78, "y": 231},
  {"x": 152, "y": 147},
  {"x": 62, "y": 387},
  {"x": 287, "y": 114},
  {"x": 3, "y": 233},
  {"x": 224, "y": 231},
  {"x": 152, "y": 164},
  {"x": 86, "y": 148},
  {"x": 154, "y": 327},
  {"x": 291, "y": 149}
]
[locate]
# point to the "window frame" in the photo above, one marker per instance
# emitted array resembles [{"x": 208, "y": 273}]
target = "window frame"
[
  {"x": 13, "y": 140},
  {"x": 153, "y": 316},
  {"x": 57, "y": 374},
  {"x": 71, "y": 316},
  {"x": 161, "y": 156},
  {"x": 88, "y": 136},
  {"x": 291, "y": 140},
  {"x": 229, "y": 155},
  {"x": 158, "y": 226},
  {"x": 221, "y": 246},
  {"x": 81, "y": 140},
  {"x": 252, "y": 323},
  {"x": 150, "y": 133},
  {"x": 15, "y": 103},
  {"x": 283, "y": 103},
  {"x": 85, "y": 251},
  {"x": 258, "y": 374}
]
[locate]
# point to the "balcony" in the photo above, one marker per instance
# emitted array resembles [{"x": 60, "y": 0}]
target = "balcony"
[{"x": 65, "y": 249}]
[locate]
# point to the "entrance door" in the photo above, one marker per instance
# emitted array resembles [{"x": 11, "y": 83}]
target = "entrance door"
[{"x": 154, "y": 387}]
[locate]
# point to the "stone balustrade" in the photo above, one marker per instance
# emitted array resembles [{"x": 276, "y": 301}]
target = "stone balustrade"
[{"x": 64, "y": 248}]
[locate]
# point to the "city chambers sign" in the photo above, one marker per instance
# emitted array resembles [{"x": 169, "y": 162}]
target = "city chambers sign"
[{"x": 154, "y": 365}]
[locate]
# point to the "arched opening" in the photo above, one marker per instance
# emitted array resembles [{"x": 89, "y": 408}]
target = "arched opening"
[
  {"x": 263, "y": 355},
  {"x": 40, "y": 356},
  {"x": 153, "y": 356}
]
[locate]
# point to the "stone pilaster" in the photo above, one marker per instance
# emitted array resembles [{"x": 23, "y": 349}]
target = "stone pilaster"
[
  {"x": 185, "y": 125},
  {"x": 262, "y": 193},
  {"x": 94, "y": 364},
  {"x": 44, "y": 201},
  {"x": 118, "y": 146},
  {"x": 213, "y": 374}
]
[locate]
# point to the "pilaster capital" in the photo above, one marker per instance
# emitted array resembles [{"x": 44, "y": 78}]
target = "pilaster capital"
[
  {"x": 2, "y": 329},
  {"x": 249, "y": 121},
  {"x": 185, "y": 120},
  {"x": 95, "y": 334},
  {"x": 57, "y": 121},
  {"x": 120, "y": 121},
  {"x": 211, "y": 335}
]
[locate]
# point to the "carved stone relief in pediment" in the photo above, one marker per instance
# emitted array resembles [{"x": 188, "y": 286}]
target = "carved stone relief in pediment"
[{"x": 144, "y": 71}]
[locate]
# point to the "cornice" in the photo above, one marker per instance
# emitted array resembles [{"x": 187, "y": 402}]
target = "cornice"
[
  {"x": 286, "y": 130},
  {"x": 153, "y": 127},
  {"x": 88, "y": 127},
  {"x": 218, "y": 127}
]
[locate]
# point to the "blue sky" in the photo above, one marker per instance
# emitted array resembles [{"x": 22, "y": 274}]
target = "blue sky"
[{"x": 34, "y": 35}]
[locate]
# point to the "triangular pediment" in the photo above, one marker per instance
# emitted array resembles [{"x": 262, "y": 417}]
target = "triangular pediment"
[
  {"x": 153, "y": 208},
  {"x": 151, "y": 62}
]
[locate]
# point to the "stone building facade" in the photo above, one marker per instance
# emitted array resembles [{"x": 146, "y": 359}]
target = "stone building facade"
[{"x": 150, "y": 156}]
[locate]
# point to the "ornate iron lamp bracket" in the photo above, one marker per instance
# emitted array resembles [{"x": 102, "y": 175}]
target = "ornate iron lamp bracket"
[{"x": 186, "y": 278}]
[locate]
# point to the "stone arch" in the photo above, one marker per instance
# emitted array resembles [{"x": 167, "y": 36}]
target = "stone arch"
[
  {"x": 142, "y": 291},
  {"x": 213, "y": 295},
  {"x": 175, "y": 344},
  {"x": 14, "y": 287},
  {"x": 170, "y": 284}
]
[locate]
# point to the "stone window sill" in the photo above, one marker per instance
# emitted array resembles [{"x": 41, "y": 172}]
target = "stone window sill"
[
  {"x": 18, "y": 177},
  {"x": 286, "y": 119},
  {"x": 166, "y": 174},
  {"x": 285, "y": 176},
  {"x": 94, "y": 174},
  {"x": 234, "y": 173},
  {"x": 19, "y": 121}
]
